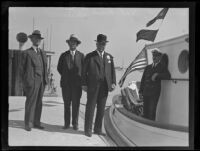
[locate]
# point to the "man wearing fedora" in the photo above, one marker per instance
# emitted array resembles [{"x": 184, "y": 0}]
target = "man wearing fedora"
[
  {"x": 151, "y": 84},
  {"x": 34, "y": 75},
  {"x": 70, "y": 66},
  {"x": 97, "y": 79}
]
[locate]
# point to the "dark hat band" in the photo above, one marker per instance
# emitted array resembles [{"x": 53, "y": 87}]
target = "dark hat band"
[
  {"x": 73, "y": 39},
  {"x": 38, "y": 35}
]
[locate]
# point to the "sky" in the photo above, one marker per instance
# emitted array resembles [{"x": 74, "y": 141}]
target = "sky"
[{"x": 119, "y": 24}]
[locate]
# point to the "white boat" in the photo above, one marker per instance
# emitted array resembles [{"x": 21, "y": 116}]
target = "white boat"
[{"x": 171, "y": 127}]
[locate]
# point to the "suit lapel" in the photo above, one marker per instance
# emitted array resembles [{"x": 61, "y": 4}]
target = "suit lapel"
[
  {"x": 43, "y": 57},
  {"x": 68, "y": 58},
  {"x": 33, "y": 54},
  {"x": 105, "y": 60},
  {"x": 76, "y": 57},
  {"x": 97, "y": 59}
]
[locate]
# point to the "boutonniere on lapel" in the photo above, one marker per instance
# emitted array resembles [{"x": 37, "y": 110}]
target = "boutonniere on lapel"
[{"x": 108, "y": 58}]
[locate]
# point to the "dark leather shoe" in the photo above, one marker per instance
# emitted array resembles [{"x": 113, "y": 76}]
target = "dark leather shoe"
[
  {"x": 65, "y": 127},
  {"x": 75, "y": 128},
  {"x": 89, "y": 134},
  {"x": 38, "y": 127},
  {"x": 100, "y": 133},
  {"x": 27, "y": 128}
]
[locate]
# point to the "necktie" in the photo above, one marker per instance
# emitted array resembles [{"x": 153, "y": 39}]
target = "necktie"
[
  {"x": 72, "y": 55},
  {"x": 101, "y": 54},
  {"x": 38, "y": 51}
]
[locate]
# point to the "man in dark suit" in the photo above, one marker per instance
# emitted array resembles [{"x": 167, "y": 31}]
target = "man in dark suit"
[
  {"x": 70, "y": 68},
  {"x": 151, "y": 84},
  {"x": 34, "y": 75},
  {"x": 98, "y": 78}
]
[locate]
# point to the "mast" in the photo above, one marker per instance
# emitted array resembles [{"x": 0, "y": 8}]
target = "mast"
[
  {"x": 33, "y": 23},
  {"x": 122, "y": 63},
  {"x": 50, "y": 37}
]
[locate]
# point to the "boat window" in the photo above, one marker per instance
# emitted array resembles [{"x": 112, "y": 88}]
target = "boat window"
[{"x": 183, "y": 61}]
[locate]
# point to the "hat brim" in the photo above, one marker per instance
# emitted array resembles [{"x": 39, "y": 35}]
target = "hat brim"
[
  {"x": 30, "y": 36},
  {"x": 156, "y": 54},
  {"x": 101, "y": 41},
  {"x": 78, "y": 42}
]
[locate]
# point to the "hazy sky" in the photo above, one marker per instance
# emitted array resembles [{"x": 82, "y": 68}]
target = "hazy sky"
[{"x": 119, "y": 24}]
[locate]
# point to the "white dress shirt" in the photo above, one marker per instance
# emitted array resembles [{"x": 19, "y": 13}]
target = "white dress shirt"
[
  {"x": 100, "y": 53},
  {"x": 73, "y": 53},
  {"x": 35, "y": 48}
]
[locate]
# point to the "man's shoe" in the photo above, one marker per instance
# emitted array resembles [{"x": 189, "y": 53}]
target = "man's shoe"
[
  {"x": 100, "y": 133},
  {"x": 27, "y": 128},
  {"x": 75, "y": 128},
  {"x": 65, "y": 127},
  {"x": 38, "y": 127},
  {"x": 89, "y": 134}
]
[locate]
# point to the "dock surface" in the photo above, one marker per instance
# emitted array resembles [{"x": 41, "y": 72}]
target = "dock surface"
[{"x": 53, "y": 120}]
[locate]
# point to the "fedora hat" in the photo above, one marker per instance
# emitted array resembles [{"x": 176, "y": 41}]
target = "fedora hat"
[
  {"x": 156, "y": 52},
  {"x": 101, "y": 38},
  {"x": 73, "y": 38},
  {"x": 36, "y": 33}
]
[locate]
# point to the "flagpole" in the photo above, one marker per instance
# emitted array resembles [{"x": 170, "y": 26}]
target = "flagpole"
[
  {"x": 47, "y": 38},
  {"x": 33, "y": 23},
  {"x": 158, "y": 29},
  {"x": 50, "y": 36},
  {"x": 160, "y": 25}
]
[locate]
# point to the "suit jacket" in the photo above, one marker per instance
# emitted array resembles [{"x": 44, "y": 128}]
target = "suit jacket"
[
  {"x": 149, "y": 87},
  {"x": 31, "y": 67},
  {"x": 92, "y": 69},
  {"x": 64, "y": 66}
]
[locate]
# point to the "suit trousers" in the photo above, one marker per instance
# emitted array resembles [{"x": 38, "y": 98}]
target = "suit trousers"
[
  {"x": 150, "y": 106},
  {"x": 33, "y": 104},
  {"x": 71, "y": 93},
  {"x": 96, "y": 96}
]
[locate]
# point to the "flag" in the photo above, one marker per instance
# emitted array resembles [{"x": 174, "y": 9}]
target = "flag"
[
  {"x": 139, "y": 63},
  {"x": 147, "y": 35},
  {"x": 161, "y": 15},
  {"x": 150, "y": 35}
]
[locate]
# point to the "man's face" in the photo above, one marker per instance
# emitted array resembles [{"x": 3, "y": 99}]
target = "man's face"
[
  {"x": 101, "y": 46},
  {"x": 156, "y": 58},
  {"x": 72, "y": 45},
  {"x": 36, "y": 41}
]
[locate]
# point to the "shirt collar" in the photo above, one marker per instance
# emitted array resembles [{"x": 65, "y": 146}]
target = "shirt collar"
[
  {"x": 155, "y": 64},
  {"x": 35, "y": 48},
  {"x": 99, "y": 53},
  {"x": 72, "y": 52}
]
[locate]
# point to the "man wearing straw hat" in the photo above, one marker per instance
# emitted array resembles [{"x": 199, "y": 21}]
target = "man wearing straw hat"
[
  {"x": 70, "y": 68},
  {"x": 34, "y": 75},
  {"x": 151, "y": 84}
]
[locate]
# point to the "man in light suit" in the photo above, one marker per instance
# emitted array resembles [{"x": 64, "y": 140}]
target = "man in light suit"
[
  {"x": 34, "y": 75},
  {"x": 70, "y": 66},
  {"x": 151, "y": 84},
  {"x": 97, "y": 79}
]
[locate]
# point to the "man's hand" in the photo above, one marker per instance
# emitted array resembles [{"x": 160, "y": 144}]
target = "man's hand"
[
  {"x": 113, "y": 86},
  {"x": 84, "y": 88},
  {"x": 140, "y": 96},
  {"x": 153, "y": 78}
]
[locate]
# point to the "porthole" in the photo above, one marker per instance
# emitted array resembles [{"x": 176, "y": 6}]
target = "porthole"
[{"x": 183, "y": 61}]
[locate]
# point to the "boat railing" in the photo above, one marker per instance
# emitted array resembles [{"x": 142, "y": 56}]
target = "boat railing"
[{"x": 138, "y": 117}]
